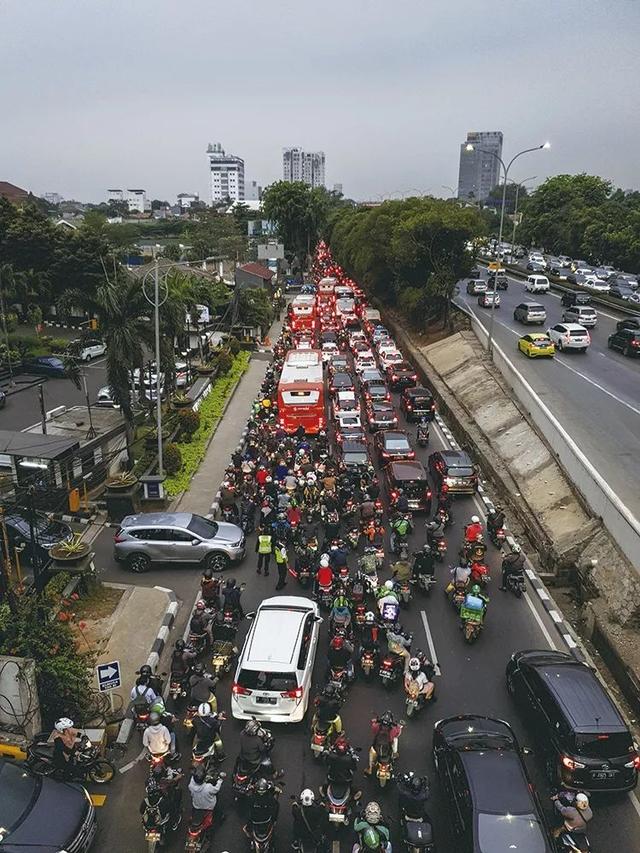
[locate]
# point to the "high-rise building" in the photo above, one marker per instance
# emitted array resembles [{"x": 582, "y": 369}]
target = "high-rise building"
[
  {"x": 306, "y": 166},
  {"x": 252, "y": 191},
  {"x": 227, "y": 174},
  {"x": 136, "y": 200},
  {"x": 479, "y": 168}
]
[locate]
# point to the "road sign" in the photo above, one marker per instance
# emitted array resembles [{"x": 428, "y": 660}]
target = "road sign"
[{"x": 108, "y": 675}]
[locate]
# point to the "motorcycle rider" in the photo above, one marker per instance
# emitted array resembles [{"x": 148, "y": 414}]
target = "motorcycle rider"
[
  {"x": 575, "y": 815},
  {"x": 402, "y": 502},
  {"x": 340, "y": 654},
  {"x": 399, "y": 643},
  {"x": 400, "y": 529},
  {"x": 210, "y": 589},
  {"x": 202, "y": 687},
  {"x": 414, "y": 793},
  {"x": 324, "y": 575},
  {"x": 208, "y": 728},
  {"x": 200, "y": 624},
  {"x": 401, "y": 571},
  {"x": 384, "y": 730},
  {"x": 415, "y": 673},
  {"x": 512, "y": 564},
  {"x": 263, "y": 805},
  {"x": 66, "y": 739},
  {"x": 460, "y": 576},
  {"x": 386, "y": 595},
  {"x": 156, "y": 737},
  {"x": 231, "y": 594},
  {"x": 476, "y": 592},
  {"x": 340, "y": 616},
  {"x": 338, "y": 556},
  {"x": 423, "y": 430},
  {"x": 255, "y": 745},
  {"x": 369, "y": 633},
  {"x": 158, "y": 809},
  {"x": 155, "y": 682},
  {"x": 370, "y": 828},
  {"x": 181, "y": 660},
  {"x": 221, "y": 630},
  {"x": 342, "y": 760},
  {"x": 309, "y": 820},
  {"x": 473, "y": 529},
  {"x": 328, "y": 704},
  {"x": 204, "y": 793},
  {"x": 495, "y": 519},
  {"x": 423, "y": 562},
  {"x": 142, "y": 692}
]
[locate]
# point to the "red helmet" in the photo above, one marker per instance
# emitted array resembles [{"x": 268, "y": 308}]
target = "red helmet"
[
  {"x": 341, "y": 746},
  {"x": 337, "y": 642}
]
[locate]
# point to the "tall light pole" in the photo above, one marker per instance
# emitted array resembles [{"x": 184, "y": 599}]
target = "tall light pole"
[
  {"x": 518, "y": 184},
  {"x": 157, "y": 302},
  {"x": 454, "y": 193},
  {"x": 470, "y": 147}
]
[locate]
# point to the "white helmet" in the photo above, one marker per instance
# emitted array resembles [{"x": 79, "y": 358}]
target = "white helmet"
[
  {"x": 582, "y": 801},
  {"x": 414, "y": 665},
  {"x": 311, "y": 477},
  {"x": 324, "y": 560},
  {"x": 307, "y": 797},
  {"x": 475, "y": 519},
  {"x": 63, "y": 724},
  {"x": 369, "y": 617},
  {"x": 517, "y": 548},
  {"x": 373, "y": 813},
  {"x": 204, "y": 709},
  {"x": 388, "y": 584}
]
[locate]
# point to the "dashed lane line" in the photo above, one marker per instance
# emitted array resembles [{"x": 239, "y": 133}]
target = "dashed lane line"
[{"x": 430, "y": 643}]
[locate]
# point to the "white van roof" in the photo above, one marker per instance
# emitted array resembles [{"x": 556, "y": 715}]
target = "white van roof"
[{"x": 276, "y": 632}]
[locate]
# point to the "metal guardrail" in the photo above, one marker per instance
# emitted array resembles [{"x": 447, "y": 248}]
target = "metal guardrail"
[{"x": 566, "y": 287}]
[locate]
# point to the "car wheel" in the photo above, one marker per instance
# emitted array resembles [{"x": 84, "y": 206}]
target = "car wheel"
[
  {"x": 87, "y": 357},
  {"x": 139, "y": 563},
  {"x": 102, "y": 772},
  {"x": 560, "y": 345},
  {"x": 627, "y": 351},
  {"x": 217, "y": 562},
  {"x": 609, "y": 344}
]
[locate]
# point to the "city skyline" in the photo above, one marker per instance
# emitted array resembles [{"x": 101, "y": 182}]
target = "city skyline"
[{"x": 389, "y": 108}]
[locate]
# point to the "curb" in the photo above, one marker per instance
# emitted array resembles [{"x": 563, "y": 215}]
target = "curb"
[
  {"x": 75, "y": 519},
  {"x": 153, "y": 659}
]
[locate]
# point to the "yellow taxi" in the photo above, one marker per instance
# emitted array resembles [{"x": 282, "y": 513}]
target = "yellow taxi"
[{"x": 536, "y": 344}]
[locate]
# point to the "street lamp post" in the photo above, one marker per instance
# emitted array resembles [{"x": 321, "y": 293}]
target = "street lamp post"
[
  {"x": 518, "y": 184},
  {"x": 506, "y": 168}
]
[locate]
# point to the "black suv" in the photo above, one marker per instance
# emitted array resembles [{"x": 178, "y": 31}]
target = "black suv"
[
  {"x": 417, "y": 403},
  {"x": 575, "y": 297},
  {"x": 586, "y": 743},
  {"x": 401, "y": 375},
  {"x": 491, "y": 801},
  {"x": 410, "y": 476},
  {"x": 455, "y": 469},
  {"x": 353, "y": 454},
  {"x": 626, "y": 340}
]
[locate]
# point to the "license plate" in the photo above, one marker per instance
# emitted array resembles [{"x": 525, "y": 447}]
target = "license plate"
[
  {"x": 265, "y": 700},
  {"x": 413, "y": 504},
  {"x": 385, "y": 675},
  {"x": 317, "y": 747},
  {"x": 603, "y": 774},
  {"x": 336, "y": 818}
]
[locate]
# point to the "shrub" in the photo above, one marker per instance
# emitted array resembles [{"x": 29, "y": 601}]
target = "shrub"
[
  {"x": 57, "y": 344},
  {"x": 172, "y": 458},
  {"x": 224, "y": 361},
  {"x": 234, "y": 346},
  {"x": 189, "y": 422},
  {"x": 11, "y": 320},
  {"x": 34, "y": 315}
]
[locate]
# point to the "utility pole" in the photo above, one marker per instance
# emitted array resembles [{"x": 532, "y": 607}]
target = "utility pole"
[
  {"x": 43, "y": 413},
  {"x": 6, "y": 331},
  {"x": 157, "y": 303}
]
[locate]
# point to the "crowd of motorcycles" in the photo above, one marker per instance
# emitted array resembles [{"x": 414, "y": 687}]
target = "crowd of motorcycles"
[{"x": 329, "y": 524}]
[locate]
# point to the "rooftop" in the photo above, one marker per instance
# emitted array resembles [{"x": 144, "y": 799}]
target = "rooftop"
[
  {"x": 12, "y": 192},
  {"x": 257, "y": 270}
]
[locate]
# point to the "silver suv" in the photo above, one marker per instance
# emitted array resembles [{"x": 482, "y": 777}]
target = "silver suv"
[{"x": 181, "y": 537}]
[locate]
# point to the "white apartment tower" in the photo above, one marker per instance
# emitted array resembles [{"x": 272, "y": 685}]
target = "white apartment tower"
[
  {"x": 306, "y": 166},
  {"x": 227, "y": 174}
]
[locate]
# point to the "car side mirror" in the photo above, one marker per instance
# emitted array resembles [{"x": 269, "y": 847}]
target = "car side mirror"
[
  {"x": 318, "y": 619},
  {"x": 250, "y": 616},
  {"x": 525, "y": 750},
  {"x": 195, "y": 541}
]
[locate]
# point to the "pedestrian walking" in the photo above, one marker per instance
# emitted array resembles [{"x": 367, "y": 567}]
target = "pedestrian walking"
[
  {"x": 282, "y": 564},
  {"x": 264, "y": 546}
]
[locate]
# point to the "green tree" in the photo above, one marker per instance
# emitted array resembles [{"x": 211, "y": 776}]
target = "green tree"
[
  {"x": 208, "y": 233},
  {"x": 255, "y": 307}
]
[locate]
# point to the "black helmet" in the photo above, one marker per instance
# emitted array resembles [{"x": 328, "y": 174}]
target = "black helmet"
[
  {"x": 146, "y": 670},
  {"x": 199, "y": 775},
  {"x": 154, "y": 796},
  {"x": 231, "y": 583},
  {"x": 262, "y": 786},
  {"x": 425, "y": 547},
  {"x": 329, "y": 690},
  {"x": 387, "y": 718},
  {"x": 198, "y": 668},
  {"x": 208, "y": 574},
  {"x": 179, "y": 645},
  {"x": 416, "y": 784},
  {"x": 158, "y": 771}
]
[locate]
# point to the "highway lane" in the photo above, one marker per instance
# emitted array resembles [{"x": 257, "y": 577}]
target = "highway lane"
[
  {"x": 472, "y": 680},
  {"x": 595, "y": 396}
]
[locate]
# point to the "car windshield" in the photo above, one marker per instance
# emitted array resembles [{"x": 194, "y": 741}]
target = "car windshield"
[
  {"x": 352, "y": 458},
  {"x": 459, "y": 472},
  {"x": 505, "y": 833},
  {"x": 255, "y": 679},
  {"x": 202, "y": 527},
  {"x": 603, "y": 746},
  {"x": 400, "y": 443},
  {"x": 17, "y": 787}
]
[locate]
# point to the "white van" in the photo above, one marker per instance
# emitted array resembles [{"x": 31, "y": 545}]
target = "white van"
[
  {"x": 537, "y": 284},
  {"x": 273, "y": 678}
]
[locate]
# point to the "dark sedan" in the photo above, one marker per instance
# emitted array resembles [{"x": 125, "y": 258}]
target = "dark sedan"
[
  {"x": 376, "y": 390},
  {"x": 393, "y": 444},
  {"x": 627, "y": 341},
  {"x": 42, "y": 814},
  {"x": 381, "y": 415},
  {"x": 341, "y": 381},
  {"x": 418, "y": 403},
  {"x": 491, "y": 801},
  {"x": 623, "y": 291},
  {"x": 401, "y": 375},
  {"x": 353, "y": 454},
  {"x": 455, "y": 469},
  {"x": 46, "y": 534},
  {"x": 47, "y": 365}
]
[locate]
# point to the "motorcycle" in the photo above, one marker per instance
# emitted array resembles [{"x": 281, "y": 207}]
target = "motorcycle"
[
  {"x": 515, "y": 583},
  {"x": 383, "y": 769},
  {"x": 497, "y": 536},
  {"x": 340, "y": 678},
  {"x": 368, "y": 659},
  {"x": 480, "y": 575},
  {"x": 425, "y": 583},
  {"x": 141, "y": 713},
  {"x": 439, "y": 547},
  {"x": 223, "y": 655},
  {"x": 302, "y": 575},
  {"x": 404, "y": 593},
  {"x": 248, "y": 524},
  {"x": 260, "y": 833},
  {"x": 444, "y": 517},
  {"x": 244, "y": 774},
  {"x": 339, "y": 802},
  {"x": 178, "y": 686},
  {"x": 471, "y": 622},
  {"x": 353, "y": 538},
  {"x": 198, "y": 642},
  {"x": 87, "y": 764},
  {"x": 321, "y": 737},
  {"x": 325, "y": 595},
  {"x": 417, "y": 834},
  {"x": 391, "y": 669},
  {"x": 155, "y": 830},
  {"x": 415, "y": 700},
  {"x": 423, "y": 436},
  {"x": 570, "y": 841},
  {"x": 199, "y": 832}
]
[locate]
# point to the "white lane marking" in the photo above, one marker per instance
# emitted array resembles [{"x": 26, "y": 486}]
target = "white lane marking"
[
  {"x": 555, "y": 615},
  {"x": 126, "y": 767},
  {"x": 432, "y": 648},
  {"x": 541, "y": 624},
  {"x": 599, "y": 387}
]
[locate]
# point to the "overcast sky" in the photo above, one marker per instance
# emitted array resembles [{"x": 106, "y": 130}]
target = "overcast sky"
[{"x": 127, "y": 93}]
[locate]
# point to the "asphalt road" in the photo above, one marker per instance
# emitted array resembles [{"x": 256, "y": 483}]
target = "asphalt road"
[
  {"x": 22, "y": 408},
  {"x": 595, "y": 395},
  {"x": 471, "y": 681}
]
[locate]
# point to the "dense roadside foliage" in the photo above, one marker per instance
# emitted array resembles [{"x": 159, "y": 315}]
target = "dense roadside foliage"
[
  {"x": 408, "y": 254},
  {"x": 585, "y": 217}
]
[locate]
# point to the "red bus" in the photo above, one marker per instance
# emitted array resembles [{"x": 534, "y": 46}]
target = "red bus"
[
  {"x": 303, "y": 314},
  {"x": 301, "y": 392}
]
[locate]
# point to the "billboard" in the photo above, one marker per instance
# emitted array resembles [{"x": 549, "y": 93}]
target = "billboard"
[{"x": 269, "y": 251}]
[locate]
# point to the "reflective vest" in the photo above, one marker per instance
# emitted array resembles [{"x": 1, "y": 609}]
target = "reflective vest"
[
  {"x": 280, "y": 555},
  {"x": 264, "y": 544}
]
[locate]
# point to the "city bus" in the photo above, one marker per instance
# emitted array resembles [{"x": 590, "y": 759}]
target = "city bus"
[
  {"x": 301, "y": 400},
  {"x": 302, "y": 313},
  {"x": 326, "y": 288}
]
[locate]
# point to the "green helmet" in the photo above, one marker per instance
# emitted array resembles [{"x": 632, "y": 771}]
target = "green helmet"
[
  {"x": 158, "y": 707},
  {"x": 475, "y": 589},
  {"x": 370, "y": 839}
]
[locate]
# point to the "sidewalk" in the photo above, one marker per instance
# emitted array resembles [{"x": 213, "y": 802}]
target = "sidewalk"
[{"x": 206, "y": 482}]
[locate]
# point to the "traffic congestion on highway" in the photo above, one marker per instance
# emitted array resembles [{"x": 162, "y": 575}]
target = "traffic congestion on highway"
[{"x": 377, "y": 670}]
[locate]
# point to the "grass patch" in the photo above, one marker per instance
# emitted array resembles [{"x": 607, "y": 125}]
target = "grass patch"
[{"x": 210, "y": 410}]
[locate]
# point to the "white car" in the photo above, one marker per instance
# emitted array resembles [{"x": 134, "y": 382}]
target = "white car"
[
  {"x": 537, "y": 284},
  {"x": 538, "y": 259},
  {"x": 329, "y": 348},
  {"x": 365, "y": 362},
  {"x": 569, "y": 336},
  {"x": 583, "y": 315},
  {"x": 347, "y": 420},
  {"x": 390, "y": 357},
  {"x": 345, "y": 402},
  {"x": 105, "y": 399},
  {"x": 596, "y": 284},
  {"x": 90, "y": 349},
  {"x": 273, "y": 679}
]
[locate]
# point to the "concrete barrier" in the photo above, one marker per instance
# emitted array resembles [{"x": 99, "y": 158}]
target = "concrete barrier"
[{"x": 598, "y": 495}]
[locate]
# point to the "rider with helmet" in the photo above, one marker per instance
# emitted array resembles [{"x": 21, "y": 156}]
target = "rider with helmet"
[
  {"x": 328, "y": 704},
  {"x": 512, "y": 564},
  {"x": 255, "y": 746},
  {"x": 309, "y": 820},
  {"x": 231, "y": 598},
  {"x": 210, "y": 589},
  {"x": 204, "y": 793},
  {"x": 202, "y": 687},
  {"x": 340, "y": 654},
  {"x": 373, "y": 834},
  {"x": 423, "y": 562},
  {"x": 208, "y": 726},
  {"x": 369, "y": 633},
  {"x": 157, "y": 737},
  {"x": 384, "y": 729},
  {"x": 414, "y": 793},
  {"x": 324, "y": 575},
  {"x": 415, "y": 674},
  {"x": 340, "y": 616},
  {"x": 495, "y": 519},
  {"x": 154, "y": 681},
  {"x": 574, "y": 811},
  {"x": 341, "y": 759},
  {"x": 181, "y": 659},
  {"x": 473, "y": 530},
  {"x": 66, "y": 739}
]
